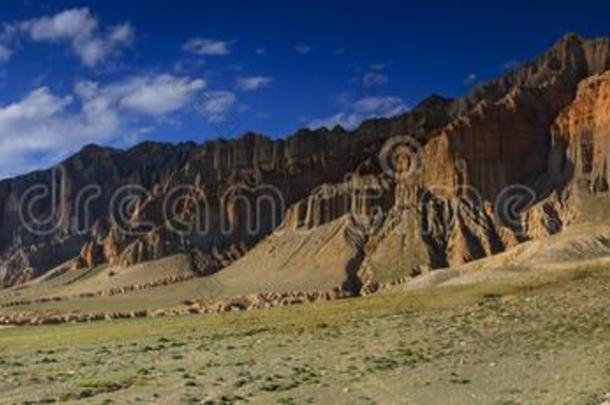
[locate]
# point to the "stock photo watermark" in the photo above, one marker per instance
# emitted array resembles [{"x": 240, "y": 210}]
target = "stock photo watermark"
[{"x": 259, "y": 208}]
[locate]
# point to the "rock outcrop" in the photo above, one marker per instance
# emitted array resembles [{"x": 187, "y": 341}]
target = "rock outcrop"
[
  {"x": 444, "y": 184},
  {"x": 583, "y": 130},
  {"x": 126, "y": 207}
]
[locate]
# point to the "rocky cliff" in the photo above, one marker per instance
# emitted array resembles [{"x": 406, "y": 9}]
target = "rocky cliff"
[
  {"x": 505, "y": 169},
  {"x": 104, "y": 205},
  {"x": 449, "y": 182}
]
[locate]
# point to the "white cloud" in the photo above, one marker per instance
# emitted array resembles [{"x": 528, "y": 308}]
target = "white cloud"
[
  {"x": 380, "y": 106},
  {"x": 5, "y": 53},
  {"x": 69, "y": 24},
  {"x": 344, "y": 119},
  {"x": 303, "y": 49},
  {"x": 252, "y": 83},
  {"x": 361, "y": 110},
  {"x": 260, "y": 51},
  {"x": 147, "y": 95},
  {"x": 43, "y": 127},
  {"x": 161, "y": 94},
  {"x": 79, "y": 28},
  {"x": 207, "y": 46},
  {"x": 469, "y": 79},
  {"x": 42, "y": 123},
  {"x": 40, "y": 103},
  {"x": 374, "y": 79},
  {"x": 215, "y": 105}
]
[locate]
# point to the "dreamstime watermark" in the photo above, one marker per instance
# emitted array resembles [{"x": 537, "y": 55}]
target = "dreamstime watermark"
[
  {"x": 401, "y": 157},
  {"x": 135, "y": 210},
  {"x": 255, "y": 209}
]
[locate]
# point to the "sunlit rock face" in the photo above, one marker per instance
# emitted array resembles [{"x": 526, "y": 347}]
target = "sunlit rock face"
[{"x": 583, "y": 129}]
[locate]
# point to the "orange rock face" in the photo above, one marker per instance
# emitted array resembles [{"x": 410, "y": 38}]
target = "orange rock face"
[{"x": 584, "y": 130}]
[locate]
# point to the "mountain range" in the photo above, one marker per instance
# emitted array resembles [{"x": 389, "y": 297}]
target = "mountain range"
[{"x": 520, "y": 160}]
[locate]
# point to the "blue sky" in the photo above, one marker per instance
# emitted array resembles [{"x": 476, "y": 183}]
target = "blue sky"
[{"x": 117, "y": 73}]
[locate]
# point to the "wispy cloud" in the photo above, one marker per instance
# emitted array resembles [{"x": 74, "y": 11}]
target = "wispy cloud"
[
  {"x": 78, "y": 28},
  {"x": 260, "y": 51},
  {"x": 188, "y": 65},
  {"x": 374, "y": 79},
  {"x": 158, "y": 95},
  {"x": 469, "y": 79},
  {"x": 252, "y": 83},
  {"x": 44, "y": 126},
  {"x": 41, "y": 124},
  {"x": 361, "y": 110},
  {"x": 303, "y": 49},
  {"x": 214, "y": 105},
  {"x": 148, "y": 95},
  {"x": 5, "y": 53},
  {"x": 208, "y": 47},
  {"x": 382, "y": 106},
  {"x": 379, "y": 66}
]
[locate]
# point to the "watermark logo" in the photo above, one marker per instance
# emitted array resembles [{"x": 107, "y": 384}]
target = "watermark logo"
[
  {"x": 187, "y": 211},
  {"x": 32, "y": 213},
  {"x": 401, "y": 157},
  {"x": 510, "y": 205},
  {"x": 258, "y": 202},
  {"x": 126, "y": 207},
  {"x": 253, "y": 210}
]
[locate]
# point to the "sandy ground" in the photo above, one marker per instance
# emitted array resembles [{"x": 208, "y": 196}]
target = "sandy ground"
[{"x": 543, "y": 342}]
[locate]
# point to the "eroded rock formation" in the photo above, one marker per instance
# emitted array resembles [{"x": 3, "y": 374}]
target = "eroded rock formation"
[
  {"x": 211, "y": 191},
  {"x": 472, "y": 178}
]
